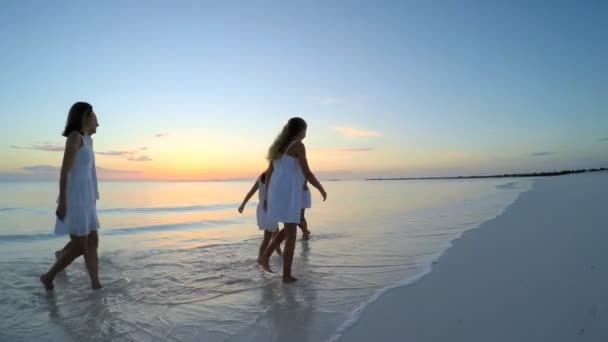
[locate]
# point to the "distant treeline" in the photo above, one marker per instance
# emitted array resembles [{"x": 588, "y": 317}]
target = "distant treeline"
[{"x": 506, "y": 175}]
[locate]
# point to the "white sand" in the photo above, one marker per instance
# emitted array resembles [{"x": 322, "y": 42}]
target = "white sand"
[{"x": 539, "y": 272}]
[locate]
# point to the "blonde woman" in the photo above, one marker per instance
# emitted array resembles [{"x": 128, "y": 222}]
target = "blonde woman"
[{"x": 285, "y": 179}]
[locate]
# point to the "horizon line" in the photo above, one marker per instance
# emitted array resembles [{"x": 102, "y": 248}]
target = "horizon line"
[{"x": 336, "y": 179}]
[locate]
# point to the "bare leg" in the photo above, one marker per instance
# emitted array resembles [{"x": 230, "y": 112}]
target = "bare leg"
[
  {"x": 276, "y": 241},
  {"x": 59, "y": 252},
  {"x": 267, "y": 237},
  {"x": 73, "y": 251},
  {"x": 290, "y": 245},
  {"x": 278, "y": 249},
  {"x": 67, "y": 245},
  {"x": 91, "y": 259},
  {"x": 304, "y": 226}
]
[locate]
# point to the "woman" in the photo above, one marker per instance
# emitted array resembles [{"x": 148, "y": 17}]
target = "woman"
[
  {"x": 76, "y": 207},
  {"x": 285, "y": 179}
]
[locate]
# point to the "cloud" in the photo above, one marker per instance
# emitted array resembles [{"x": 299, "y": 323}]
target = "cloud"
[
  {"x": 603, "y": 139},
  {"x": 341, "y": 151},
  {"x": 542, "y": 154},
  {"x": 161, "y": 135},
  {"x": 327, "y": 100},
  {"x": 132, "y": 155},
  {"x": 57, "y": 148},
  {"x": 45, "y": 147},
  {"x": 117, "y": 171},
  {"x": 51, "y": 173},
  {"x": 41, "y": 169},
  {"x": 128, "y": 154},
  {"x": 116, "y": 153},
  {"x": 352, "y": 132},
  {"x": 142, "y": 158}
]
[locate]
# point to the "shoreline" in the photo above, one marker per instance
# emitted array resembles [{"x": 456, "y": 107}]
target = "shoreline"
[
  {"x": 514, "y": 175},
  {"x": 474, "y": 291}
]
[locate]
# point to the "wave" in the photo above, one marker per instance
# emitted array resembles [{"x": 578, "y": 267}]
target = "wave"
[
  {"x": 168, "y": 227},
  {"x": 426, "y": 266},
  {"x": 509, "y": 185},
  {"x": 208, "y": 207},
  {"x": 108, "y": 231},
  {"x": 144, "y": 210}
]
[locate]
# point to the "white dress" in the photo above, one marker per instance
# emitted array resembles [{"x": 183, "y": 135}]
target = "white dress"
[
  {"x": 81, "y": 195},
  {"x": 285, "y": 191},
  {"x": 306, "y": 198},
  {"x": 264, "y": 222}
]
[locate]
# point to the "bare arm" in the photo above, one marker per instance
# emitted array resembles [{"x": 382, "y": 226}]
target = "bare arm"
[
  {"x": 71, "y": 148},
  {"x": 254, "y": 188},
  {"x": 94, "y": 174},
  {"x": 300, "y": 149}
]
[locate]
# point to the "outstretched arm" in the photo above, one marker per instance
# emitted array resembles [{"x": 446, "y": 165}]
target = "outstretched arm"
[
  {"x": 309, "y": 176},
  {"x": 254, "y": 188}
]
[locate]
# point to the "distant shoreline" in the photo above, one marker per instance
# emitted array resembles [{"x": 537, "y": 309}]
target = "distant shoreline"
[
  {"x": 513, "y": 175},
  {"x": 509, "y": 175}
]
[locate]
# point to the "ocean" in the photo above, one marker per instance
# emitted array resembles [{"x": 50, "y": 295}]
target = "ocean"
[{"x": 178, "y": 262}]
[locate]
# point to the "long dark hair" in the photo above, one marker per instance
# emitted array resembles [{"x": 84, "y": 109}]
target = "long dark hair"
[
  {"x": 293, "y": 127},
  {"x": 78, "y": 112}
]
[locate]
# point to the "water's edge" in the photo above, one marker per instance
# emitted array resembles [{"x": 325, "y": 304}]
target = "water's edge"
[{"x": 426, "y": 266}]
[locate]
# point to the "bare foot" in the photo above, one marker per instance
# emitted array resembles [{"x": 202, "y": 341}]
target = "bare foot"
[
  {"x": 265, "y": 265},
  {"x": 96, "y": 286},
  {"x": 306, "y": 235},
  {"x": 48, "y": 283},
  {"x": 289, "y": 279}
]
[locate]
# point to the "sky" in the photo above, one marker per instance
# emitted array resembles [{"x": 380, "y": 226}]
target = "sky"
[{"x": 198, "y": 90}]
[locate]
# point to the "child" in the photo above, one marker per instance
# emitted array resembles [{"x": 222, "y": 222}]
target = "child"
[
  {"x": 76, "y": 208},
  {"x": 58, "y": 253},
  {"x": 269, "y": 227}
]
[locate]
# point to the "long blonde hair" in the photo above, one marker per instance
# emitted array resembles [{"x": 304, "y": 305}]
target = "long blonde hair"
[{"x": 290, "y": 131}]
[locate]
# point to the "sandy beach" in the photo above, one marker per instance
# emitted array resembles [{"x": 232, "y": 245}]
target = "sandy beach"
[{"x": 538, "y": 272}]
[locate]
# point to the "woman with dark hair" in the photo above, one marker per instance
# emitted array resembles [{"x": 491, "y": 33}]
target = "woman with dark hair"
[
  {"x": 76, "y": 207},
  {"x": 285, "y": 179}
]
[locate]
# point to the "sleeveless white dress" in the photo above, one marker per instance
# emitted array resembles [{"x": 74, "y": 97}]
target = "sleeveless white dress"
[
  {"x": 285, "y": 192},
  {"x": 306, "y": 198},
  {"x": 81, "y": 195},
  {"x": 264, "y": 222}
]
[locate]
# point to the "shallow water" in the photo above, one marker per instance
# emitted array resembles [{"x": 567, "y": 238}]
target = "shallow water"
[{"x": 178, "y": 261}]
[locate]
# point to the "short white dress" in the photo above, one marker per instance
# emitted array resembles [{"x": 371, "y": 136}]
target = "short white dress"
[
  {"x": 82, "y": 194},
  {"x": 285, "y": 193},
  {"x": 264, "y": 222},
  {"x": 306, "y": 198}
]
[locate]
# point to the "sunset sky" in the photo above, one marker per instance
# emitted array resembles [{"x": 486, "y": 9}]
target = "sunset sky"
[{"x": 197, "y": 90}]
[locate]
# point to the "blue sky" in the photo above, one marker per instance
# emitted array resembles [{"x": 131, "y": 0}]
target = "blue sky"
[{"x": 388, "y": 88}]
